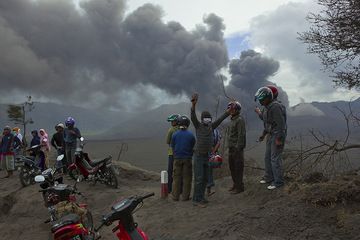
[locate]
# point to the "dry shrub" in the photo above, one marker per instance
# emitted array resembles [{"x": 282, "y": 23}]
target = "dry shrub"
[{"x": 328, "y": 194}]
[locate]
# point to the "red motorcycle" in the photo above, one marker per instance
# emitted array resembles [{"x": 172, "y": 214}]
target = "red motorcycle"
[
  {"x": 123, "y": 211},
  {"x": 69, "y": 219},
  {"x": 92, "y": 170},
  {"x": 70, "y": 227}
]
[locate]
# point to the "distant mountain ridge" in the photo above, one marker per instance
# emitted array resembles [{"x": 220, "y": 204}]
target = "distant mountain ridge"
[
  {"x": 105, "y": 124},
  {"x": 90, "y": 121}
]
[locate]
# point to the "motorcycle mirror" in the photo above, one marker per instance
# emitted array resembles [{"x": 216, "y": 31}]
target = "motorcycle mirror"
[
  {"x": 39, "y": 179},
  {"x": 82, "y": 139},
  {"x": 60, "y": 157}
]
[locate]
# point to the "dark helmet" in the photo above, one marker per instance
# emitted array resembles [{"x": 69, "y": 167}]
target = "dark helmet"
[
  {"x": 263, "y": 93},
  {"x": 183, "y": 121},
  {"x": 69, "y": 122},
  {"x": 234, "y": 105},
  {"x": 173, "y": 117},
  {"x": 274, "y": 91}
]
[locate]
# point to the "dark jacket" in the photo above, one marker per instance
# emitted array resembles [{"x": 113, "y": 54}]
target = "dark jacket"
[
  {"x": 237, "y": 133},
  {"x": 71, "y": 135},
  {"x": 7, "y": 144},
  {"x": 204, "y": 133},
  {"x": 57, "y": 140},
  {"x": 182, "y": 143},
  {"x": 276, "y": 120},
  {"x": 35, "y": 141}
]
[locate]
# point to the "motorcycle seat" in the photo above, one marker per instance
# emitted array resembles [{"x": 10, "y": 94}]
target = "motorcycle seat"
[
  {"x": 64, "y": 221},
  {"x": 96, "y": 162}
]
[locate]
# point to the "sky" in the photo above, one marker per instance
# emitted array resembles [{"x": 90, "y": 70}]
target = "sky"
[
  {"x": 270, "y": 27},
  {"x": 136, "y": 55}
]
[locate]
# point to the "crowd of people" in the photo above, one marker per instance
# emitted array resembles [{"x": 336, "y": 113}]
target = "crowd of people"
[
  {"x": 64, "y": 141},
  {"x": 191, "y": 154}
]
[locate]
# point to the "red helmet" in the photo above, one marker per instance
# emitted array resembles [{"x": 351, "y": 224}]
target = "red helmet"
[
  {"x": 215, "y": 161},
  {"x": 234, "y": 105},
  {"x": 274, "y": 91}
]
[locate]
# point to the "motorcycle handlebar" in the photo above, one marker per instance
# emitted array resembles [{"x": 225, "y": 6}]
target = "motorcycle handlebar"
[{"x": 146, "y": 196}]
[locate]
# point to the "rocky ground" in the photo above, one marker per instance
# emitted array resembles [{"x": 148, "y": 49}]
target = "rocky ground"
[{"x": 314, "y": 210}]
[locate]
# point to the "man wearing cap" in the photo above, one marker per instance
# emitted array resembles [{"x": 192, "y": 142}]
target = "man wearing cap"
[
  {"x": 57, "y": 141},
  {"x": 173, "y": 119}
]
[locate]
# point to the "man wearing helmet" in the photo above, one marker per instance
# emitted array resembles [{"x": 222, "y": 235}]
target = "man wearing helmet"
[
  {"x": 275, "y": 126},
  {"x": 57, "y": 141},
  {"x": 236, "y": 143},
  {"x": 173, "y": 119},
  {"x": 182, "y": 143},
  {"x": 204, "y": 143},
  {"x": 71, "y": 134}
]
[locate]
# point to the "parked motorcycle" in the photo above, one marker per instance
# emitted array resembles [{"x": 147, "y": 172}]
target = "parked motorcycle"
[
  {"x": 123, "y": 211},
  {"x": 92, "y": 170},
  {"x": 60, "y": 199},
  {"x": 29, "y": 166}
]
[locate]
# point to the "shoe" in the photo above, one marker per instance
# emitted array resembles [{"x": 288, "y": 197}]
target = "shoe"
[
  {"x": 231, "y": 189},
  {"x": 271, "y": 187},
  {"x": 174, "y": 198},
  {"x": 237, "y": 191},
  {"x": 210, "y": 193},
  {"x": 199, "y": 204},
  {"x": 185, "y": 199},
  {"x": 205, "y": 201},
  {"x": 263, "y": 181}
]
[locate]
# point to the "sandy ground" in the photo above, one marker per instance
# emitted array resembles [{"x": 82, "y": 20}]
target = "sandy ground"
[{"x": 255, "y": 214}]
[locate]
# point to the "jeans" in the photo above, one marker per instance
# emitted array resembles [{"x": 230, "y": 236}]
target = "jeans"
[
  {"x": 273, "y": 163},
  {"x": 70, "y": 153},
  {"x": 201, "y": 174},
  {"x": 170, "y": 172},
  {"x": 211, "y": 182},
  {"x": 236, "y": 165}
]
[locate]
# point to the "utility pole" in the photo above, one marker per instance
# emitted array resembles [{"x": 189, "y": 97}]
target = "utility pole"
[{"x": 27, "y": 106}]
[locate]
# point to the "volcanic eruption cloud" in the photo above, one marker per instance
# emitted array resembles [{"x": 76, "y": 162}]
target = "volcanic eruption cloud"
[{"x": 95, "y": 53}]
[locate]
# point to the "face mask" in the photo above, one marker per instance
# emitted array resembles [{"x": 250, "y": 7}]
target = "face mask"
[{"x": 207, "y": 120}]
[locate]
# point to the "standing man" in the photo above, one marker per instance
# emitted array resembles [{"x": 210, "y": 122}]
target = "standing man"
[
  {"x": 237, "y": 143},
  {"x": 266, "y": 179},
  {"x": 71, "y": 134},
  {"x": 57, "y": 141},
  {"x": 204, "y": 143},
  {"x": 276, "y": 127},
  {"x": 19, "y": 141},
  {"x": 7, "y": 151},
  {"x": 173, "y": 119},
  {"x": 182, "y": 143}
]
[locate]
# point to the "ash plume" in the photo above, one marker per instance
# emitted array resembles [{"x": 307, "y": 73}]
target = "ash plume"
[
  {"x": 96, "y": 54},
  {"x": 250, "y": 72}
]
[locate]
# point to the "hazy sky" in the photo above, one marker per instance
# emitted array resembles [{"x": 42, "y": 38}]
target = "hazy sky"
[
  {"x": 138, "y": 54},
  {"x": 269, "y": 26}
]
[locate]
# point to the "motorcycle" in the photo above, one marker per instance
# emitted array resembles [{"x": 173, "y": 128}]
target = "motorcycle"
[
  {"x": 60, "y": 200},
  {"x": 123, "y": 211},
  {"x": 29, "y": 166},
  {"x": 92, "y": 170}
]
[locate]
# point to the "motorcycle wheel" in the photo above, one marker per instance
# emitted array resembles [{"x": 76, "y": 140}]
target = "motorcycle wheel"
[
  {"x": 74, "y": 174},
  {"x": 110, "y": 177},
  {"x": 26, "y": 178}
]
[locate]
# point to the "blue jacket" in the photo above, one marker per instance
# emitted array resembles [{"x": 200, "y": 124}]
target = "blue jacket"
[
  {"x": 71, "y": 138},
  {"x": 182, "y": 143}
]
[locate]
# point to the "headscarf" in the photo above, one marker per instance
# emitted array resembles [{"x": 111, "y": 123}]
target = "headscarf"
[{"x": 44, "y": 140}]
